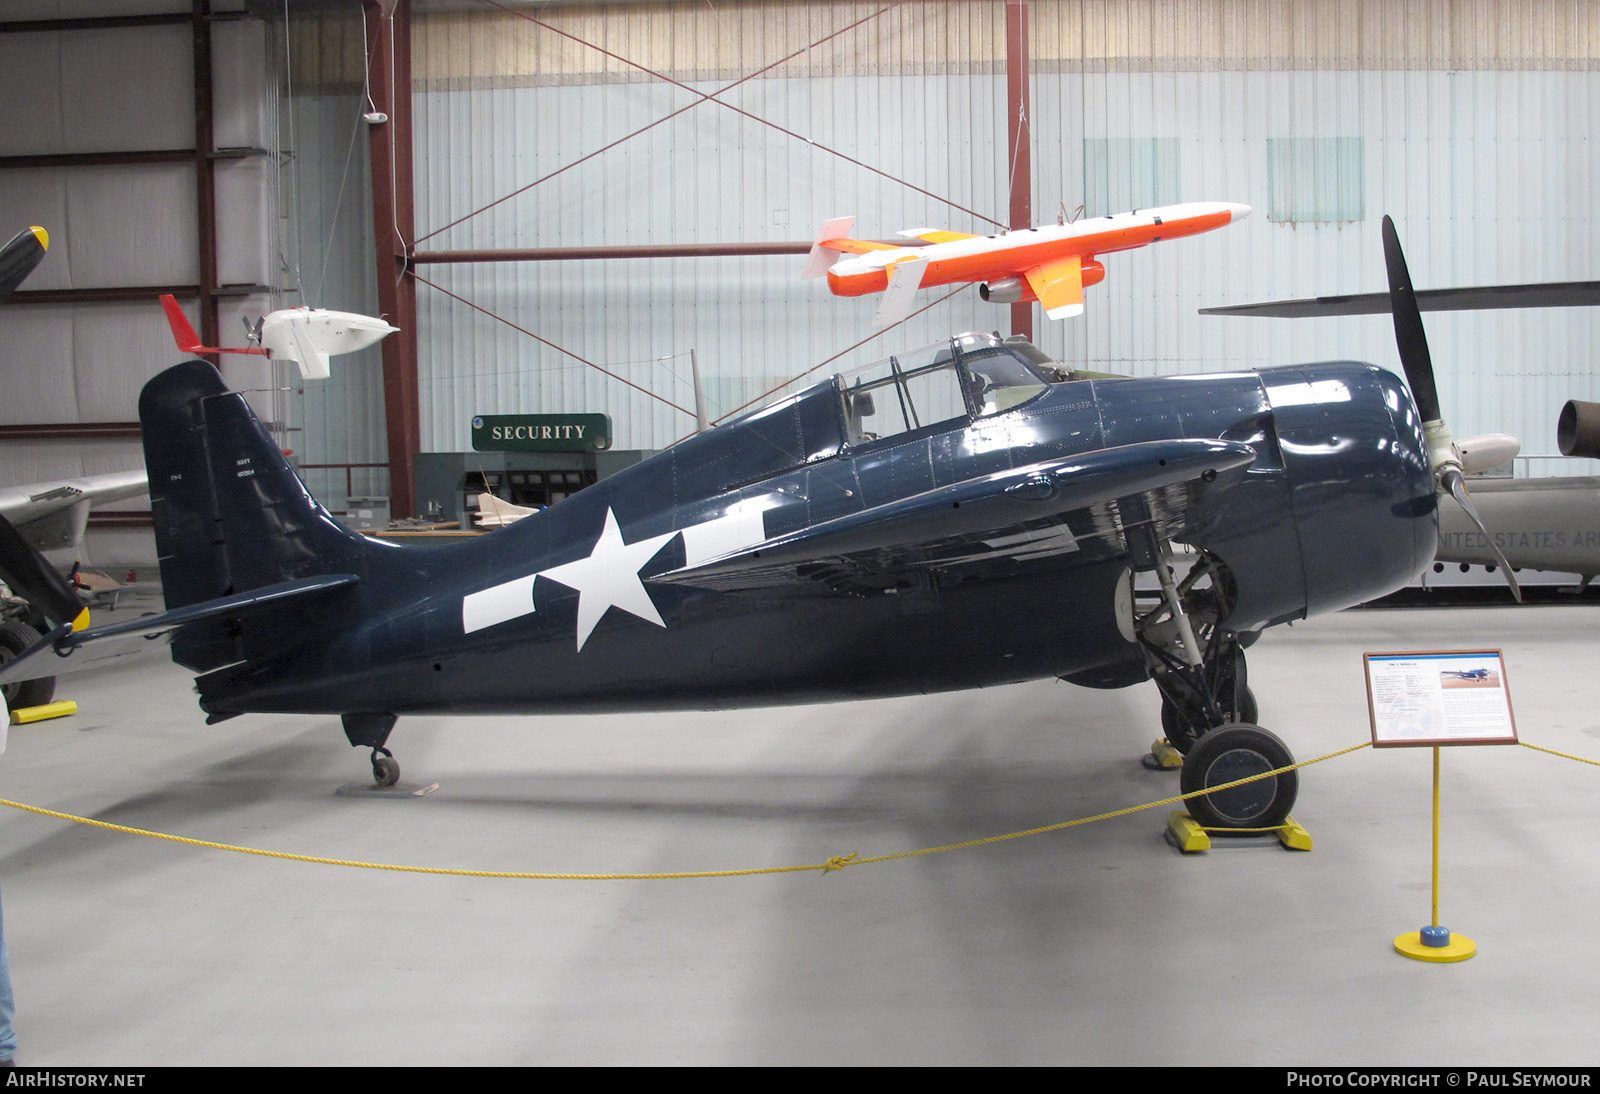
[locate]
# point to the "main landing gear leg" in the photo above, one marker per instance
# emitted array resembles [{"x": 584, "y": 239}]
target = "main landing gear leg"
[
  {"x": 1208, "y": 712},
  {"x": 371, "y": 730}
]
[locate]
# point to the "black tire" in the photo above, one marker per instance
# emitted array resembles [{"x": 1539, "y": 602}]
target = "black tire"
[
  {"x": 385, "y": 770},
  {"x": 14, "y": 638},
  {"x": 1236, "y": 752},
  {"x": 1248, "y": 710},
  {"x": 1178, "y": 731}
]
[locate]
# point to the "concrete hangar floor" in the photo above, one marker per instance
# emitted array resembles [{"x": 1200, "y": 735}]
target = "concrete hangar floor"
[{"x": 1099, "y": 944}]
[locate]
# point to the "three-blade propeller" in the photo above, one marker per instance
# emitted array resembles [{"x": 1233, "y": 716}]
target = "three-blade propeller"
[{"x": 1412, "y": 343}]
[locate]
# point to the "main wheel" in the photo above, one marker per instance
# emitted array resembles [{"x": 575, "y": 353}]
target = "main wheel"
[
  {"x": 1235, "y": 752},
  {"x": 14, "y": 638}
]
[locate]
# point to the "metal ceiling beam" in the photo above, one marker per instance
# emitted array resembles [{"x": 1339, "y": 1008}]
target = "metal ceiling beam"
[
  {"x": 394, "y": 215},
  {"x": 1019, "y": 142},
  {"x": 205, "y": 175},
  {"x": 642, "y": 250}
]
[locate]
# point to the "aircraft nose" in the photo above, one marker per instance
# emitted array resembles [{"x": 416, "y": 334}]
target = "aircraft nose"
[{"x": 1238, "y": 210}]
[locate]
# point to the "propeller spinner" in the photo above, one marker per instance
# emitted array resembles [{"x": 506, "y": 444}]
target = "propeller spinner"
[{"x": 1412, "y": 343}]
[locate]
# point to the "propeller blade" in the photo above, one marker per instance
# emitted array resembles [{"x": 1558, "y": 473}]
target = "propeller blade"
[
  {"x": 19, "y": 257},
  {"x": 1408, "y": 334},
  {"x": 1456, "y": 483}
]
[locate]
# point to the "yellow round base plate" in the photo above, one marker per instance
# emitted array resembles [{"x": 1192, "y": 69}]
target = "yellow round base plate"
[{"x": 1410, "y": 945}]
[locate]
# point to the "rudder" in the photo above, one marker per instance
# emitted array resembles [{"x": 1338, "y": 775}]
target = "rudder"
[{"x": 230, "y": 512}]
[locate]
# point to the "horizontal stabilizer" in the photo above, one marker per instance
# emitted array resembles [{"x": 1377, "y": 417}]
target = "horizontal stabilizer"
[
  {"x": 934, "y": 235},
  {"x": 860, "y": 246},
  {"x": 983, "y": 506},
  {"x": 1549, "y": 294},
  {"x": 65, "y": 651}
]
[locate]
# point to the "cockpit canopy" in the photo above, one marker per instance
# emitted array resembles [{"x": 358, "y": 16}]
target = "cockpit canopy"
[{"x": 937, "y": 385}]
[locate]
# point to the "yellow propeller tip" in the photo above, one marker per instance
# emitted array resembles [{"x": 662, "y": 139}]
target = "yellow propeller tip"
[
  {"x": 42, "y": 236},
  {"x": 82, "y": 622}
]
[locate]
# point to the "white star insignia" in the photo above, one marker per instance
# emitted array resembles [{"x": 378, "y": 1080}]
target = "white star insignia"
[{"x": 609, "y": 578}]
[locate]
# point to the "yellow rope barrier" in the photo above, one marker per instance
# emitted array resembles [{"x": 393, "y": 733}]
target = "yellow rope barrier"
[
  {"x": 831, "y": 865},
  {"x": 1563, "y": 755}
]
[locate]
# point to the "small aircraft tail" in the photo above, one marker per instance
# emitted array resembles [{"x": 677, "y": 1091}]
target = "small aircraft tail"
[
  {"x": 183, "y": 331},
  {"x": 822, "y": 256},
  {"x": 231, "y": 514}
]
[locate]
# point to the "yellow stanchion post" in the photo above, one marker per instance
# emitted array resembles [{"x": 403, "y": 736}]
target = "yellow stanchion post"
[{"x": 1435, "y": 943}]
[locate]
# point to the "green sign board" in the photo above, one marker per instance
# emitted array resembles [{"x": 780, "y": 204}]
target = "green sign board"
[{"x": 541, "y": 432}]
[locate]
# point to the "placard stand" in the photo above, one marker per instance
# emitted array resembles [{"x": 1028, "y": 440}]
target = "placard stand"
[{"x": 1433, "y": 699}]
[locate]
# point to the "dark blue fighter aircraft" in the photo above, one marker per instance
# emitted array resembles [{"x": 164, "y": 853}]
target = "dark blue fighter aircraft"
[{"x": 954, "y": 517}]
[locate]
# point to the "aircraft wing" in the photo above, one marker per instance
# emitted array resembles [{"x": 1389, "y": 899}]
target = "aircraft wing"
[
  {"x": 60, "y": 650},
  {"x": 1059, "y": 286},
  {"x": 1551, "y": 294},
  {"x": 1017, "y": 514},
  {"x": 53, "y": 514}
]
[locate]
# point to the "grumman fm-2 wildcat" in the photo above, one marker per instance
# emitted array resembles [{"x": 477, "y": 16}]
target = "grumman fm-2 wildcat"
[{"x": 952, "y": 517}]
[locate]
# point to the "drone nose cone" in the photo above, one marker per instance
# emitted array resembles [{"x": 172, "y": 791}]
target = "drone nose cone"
[{"x": 1239, "y": 211}]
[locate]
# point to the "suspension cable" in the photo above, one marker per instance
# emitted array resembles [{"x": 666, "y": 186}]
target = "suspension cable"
[
  {"x": 552, "y": 345},
  {"x": 703, "y": 97}
]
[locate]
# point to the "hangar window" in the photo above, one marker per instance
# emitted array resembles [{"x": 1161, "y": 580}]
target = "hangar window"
[
  {"x": 1123, "y": 173},
  {"x": 1315, "y": 180}
]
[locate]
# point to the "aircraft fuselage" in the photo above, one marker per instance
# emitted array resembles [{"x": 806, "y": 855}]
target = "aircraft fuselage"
[{"x": 583, "y": 606}]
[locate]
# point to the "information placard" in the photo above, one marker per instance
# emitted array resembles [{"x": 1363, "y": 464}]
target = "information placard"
[{"x": 1439, "y": 697}]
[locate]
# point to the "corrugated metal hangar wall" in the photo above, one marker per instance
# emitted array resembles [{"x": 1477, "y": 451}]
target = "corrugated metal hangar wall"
[
  {"x": 142, "y": 137},
  {"x": 555, "y": 125},
  {"x": 1470, "y": 122}
]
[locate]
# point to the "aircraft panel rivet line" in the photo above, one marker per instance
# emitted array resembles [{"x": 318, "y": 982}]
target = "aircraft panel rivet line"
[{"x": 833, "y": 864}]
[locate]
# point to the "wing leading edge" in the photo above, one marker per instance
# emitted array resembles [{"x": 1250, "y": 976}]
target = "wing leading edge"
[{"x": 1013, "y": 513}]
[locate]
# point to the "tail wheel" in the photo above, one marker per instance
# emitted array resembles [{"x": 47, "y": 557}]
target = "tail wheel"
[
  {"x": 385, "y": 768},
  {"x": 16, "y": 637},
  {"x": 1233, "y": 752}
]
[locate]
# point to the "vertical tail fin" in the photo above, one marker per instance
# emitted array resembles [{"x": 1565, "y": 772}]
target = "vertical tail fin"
[
  {"x": 182, "y": 331},
  {"x": 820, "y": 258},
  {"x": 230, "y": 513}
]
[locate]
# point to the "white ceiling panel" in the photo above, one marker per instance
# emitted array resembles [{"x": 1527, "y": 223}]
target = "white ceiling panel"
[
  {"x": 115, "y": 349},
  {"x": 132, "y": 226},
  {"x": 244, "y": 221},
  {"x": 30, "y": 86},
  {"x": 241, "y": 90},
  {"x": 36, "y": 361},
  {"x": 127, "y": 89}
]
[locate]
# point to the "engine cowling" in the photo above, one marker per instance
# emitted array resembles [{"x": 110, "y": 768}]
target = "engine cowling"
[{"x": 1007, "y": 290}]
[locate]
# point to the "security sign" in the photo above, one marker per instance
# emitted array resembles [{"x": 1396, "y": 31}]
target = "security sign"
[{"x": 541, "y": 432}]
